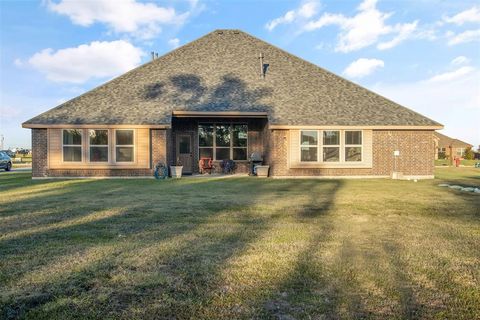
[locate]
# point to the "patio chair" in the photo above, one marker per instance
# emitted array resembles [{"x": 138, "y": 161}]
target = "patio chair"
[
  {"x": 228, "y": 166},
  {"x": 205, "y": 165}
]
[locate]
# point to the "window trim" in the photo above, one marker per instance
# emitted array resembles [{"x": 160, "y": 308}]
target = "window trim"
[
  {"x": 317, "y": 146},
  {"x": 345, "y": 146},
  {"x": 99, "y": 145},
  {"x": 73, "y": 145},
  {"x": 339, "y": 145},
  {"x": 214, "y": 145},
  {"x": 342, "y": 145},
  {"x": 124, "y": 145}
]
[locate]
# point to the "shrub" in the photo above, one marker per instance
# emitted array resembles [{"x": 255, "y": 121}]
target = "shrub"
[{"x": 469, "y": 154}]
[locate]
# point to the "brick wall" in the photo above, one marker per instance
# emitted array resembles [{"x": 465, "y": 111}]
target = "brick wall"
[
  {"x": 99, "y": 172},
  {"x": 416, "y": 156},
  {"x": 416, "y": 152},
  {"x": 158, "y": 142},
  {"x": 39, "y": 153}
]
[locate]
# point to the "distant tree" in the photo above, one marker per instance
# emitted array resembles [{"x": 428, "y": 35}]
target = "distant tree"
[{"x": 469, "y": 154}]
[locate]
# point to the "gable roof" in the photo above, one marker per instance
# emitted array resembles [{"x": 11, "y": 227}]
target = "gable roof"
[
  {"x": 221, "y": 72},
  {"x": 446, "y": 141}
]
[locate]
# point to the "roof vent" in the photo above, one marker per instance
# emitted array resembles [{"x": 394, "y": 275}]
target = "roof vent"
[
  {"x": 263, "y": 66},
  {"x": 154, "y": 55},
  {"x": 219, "y": 32}
]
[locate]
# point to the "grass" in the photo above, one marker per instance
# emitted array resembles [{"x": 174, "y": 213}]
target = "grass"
[
  {"x": 239, "y": 248},
  {"x": 21, "y": 165},
  {"x": 446, "y": 162}
]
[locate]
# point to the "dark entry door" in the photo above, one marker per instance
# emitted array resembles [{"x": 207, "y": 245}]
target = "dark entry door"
[{"x": 184, "y": 152}]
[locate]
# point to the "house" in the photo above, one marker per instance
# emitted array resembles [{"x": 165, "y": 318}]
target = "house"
[
  {"x": 227, "y": 95},
  {"x": 449, "y": 148}
]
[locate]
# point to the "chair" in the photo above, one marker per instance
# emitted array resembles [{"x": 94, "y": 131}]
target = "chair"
[
  {"x": 205, "y": 164},
  {"x": 228, "y": 166}
]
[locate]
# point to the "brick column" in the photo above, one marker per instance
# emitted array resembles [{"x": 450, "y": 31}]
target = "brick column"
[
  {"x": 278, "y": 152},
  {"x": 39, "y": 152},
  {"x": 159, "y": 146}
]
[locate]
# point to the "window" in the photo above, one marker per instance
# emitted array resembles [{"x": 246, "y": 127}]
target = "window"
[
  {"x": 460, "y": 152},
  {"x": 223, "y": 141},
  {"x": 205, "y": 140},
  {"x": 98, "y": 145},
  {"x": 124, "y": 145},
  {"x": 331, "y": 146},
  {"x": 353, "y": 146},
  {"x": 240, "y": 140},
  {"x": 309, "y": 146},
  {"x": 72, "y": 145}
]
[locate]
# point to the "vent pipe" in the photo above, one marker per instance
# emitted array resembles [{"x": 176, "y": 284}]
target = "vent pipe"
[
  {"x": 262, "y": 71},
  {"x": 153, "y": 55}
]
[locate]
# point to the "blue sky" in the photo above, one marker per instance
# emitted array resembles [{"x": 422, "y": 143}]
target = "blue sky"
[{"x": 423, "y": 54}]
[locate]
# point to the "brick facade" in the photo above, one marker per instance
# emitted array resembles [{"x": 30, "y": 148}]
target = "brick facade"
[
  {"x": 158, "y": 148},
  {"x": 416, "y": 152},
  {"x": 39, "y": 152},
  {"x": 416, "y": 156}
]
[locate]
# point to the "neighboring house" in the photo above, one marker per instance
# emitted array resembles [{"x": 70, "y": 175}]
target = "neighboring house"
[
  {"x": 225, "y": 96},
  {"x": 449, "y": 148}
]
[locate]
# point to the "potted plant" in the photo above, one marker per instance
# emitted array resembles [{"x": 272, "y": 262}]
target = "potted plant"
[
  {"x": 262, "y": 171},
  {"x": 176, "y": 170}
]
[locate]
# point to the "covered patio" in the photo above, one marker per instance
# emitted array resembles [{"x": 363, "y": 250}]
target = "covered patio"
[{"x": 216, "y": 136}]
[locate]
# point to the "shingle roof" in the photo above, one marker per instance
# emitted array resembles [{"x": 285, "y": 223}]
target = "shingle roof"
[
  {"x": 446, "y": 141},
  {"x": 221, "y": 72}
]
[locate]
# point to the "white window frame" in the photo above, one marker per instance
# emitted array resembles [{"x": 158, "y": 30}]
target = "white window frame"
[
  {"x": 124, "y": 145},
  {"x": 318, "y": 146},
  {"x": 345, "y": 146},
  {"x": 214, "y": 145},
  {"x": 73, "y": 145},
  {"x": 99, "y": 145},
  {"x": 341, "y": 147}
]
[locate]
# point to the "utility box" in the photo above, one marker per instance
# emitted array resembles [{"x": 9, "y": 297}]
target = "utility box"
[{"x": 397, "y": 175}]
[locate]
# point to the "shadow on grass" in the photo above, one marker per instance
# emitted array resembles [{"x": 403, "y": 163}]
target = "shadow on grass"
[{"x": 160, "y": 248}]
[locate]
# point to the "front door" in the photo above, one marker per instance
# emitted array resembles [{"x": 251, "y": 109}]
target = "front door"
[{"x": 184, "y": 152}]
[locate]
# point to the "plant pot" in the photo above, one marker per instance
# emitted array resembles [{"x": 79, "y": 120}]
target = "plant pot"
[
  {"x": 262, "y": 171},
  {"x": 176, "y": 171}
]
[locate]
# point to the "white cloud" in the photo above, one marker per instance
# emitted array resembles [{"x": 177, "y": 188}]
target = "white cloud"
[
  {"x": 18, "y": 62},
  {"x": 451, "y": 75},
  {"x": 463, "y": 37},
  {"x": 142, "y": 20},
  {"x": 363, "y": 67},
  {"x": 405, "y": 31},
  {"x": 174, "y": 43},
  {"x": 471, "y": 15},
  {"x": 305, "y": 11},
  {"x": 94, "y": 60},
  {"x": 364, "y": 29},
  {"x": 454, "y": 103},
  {"x": 460, "y": 60}
]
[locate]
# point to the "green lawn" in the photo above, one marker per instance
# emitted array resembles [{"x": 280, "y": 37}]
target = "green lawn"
[
  {"x": 239, "y": 248},
  {"x": 446, "y": 162}
]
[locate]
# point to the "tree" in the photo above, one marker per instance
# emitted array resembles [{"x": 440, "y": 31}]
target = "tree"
[{"x": 469, "y": 155}]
